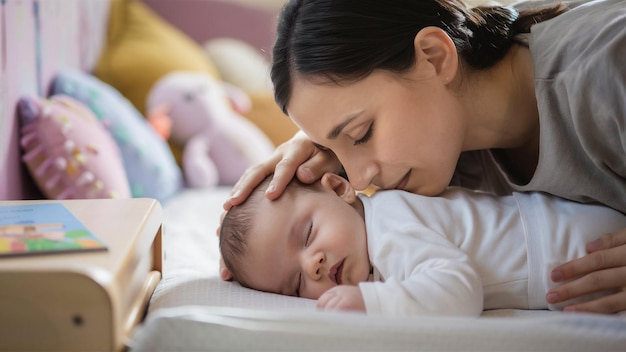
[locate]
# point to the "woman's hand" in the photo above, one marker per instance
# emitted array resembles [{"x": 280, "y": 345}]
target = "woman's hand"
[
  {"x": 603, "y": 268},
  {"x": 297, "y": 156},
  {"x": 342, "y": 297}
]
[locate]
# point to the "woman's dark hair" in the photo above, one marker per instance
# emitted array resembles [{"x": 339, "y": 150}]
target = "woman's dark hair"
[{"x": 345, "y": 40}]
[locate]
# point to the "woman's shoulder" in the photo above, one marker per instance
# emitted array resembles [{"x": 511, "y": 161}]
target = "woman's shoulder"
[
  {"x": 578, "y": 58},
  {"x": 561, "y": 41}
]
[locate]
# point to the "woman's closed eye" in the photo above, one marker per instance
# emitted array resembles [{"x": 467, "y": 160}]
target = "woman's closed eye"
[
  {"x": 306, "y": 243},
  {"x": 366, "y": 137}
]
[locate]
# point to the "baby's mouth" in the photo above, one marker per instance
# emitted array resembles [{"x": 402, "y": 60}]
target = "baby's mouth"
[
  {"x": 403, "y": 183},
  {"x": 336, "y": 272}
]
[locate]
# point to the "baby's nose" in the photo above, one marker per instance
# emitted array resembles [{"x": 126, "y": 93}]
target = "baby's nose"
[{"x": 316, "y": 264}]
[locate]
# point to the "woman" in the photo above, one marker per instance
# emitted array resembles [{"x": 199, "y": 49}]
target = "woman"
[{"x": 418, "y": 95}]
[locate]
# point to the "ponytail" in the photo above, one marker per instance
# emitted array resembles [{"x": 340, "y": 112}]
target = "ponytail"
[{"x": 492, "y": 30}]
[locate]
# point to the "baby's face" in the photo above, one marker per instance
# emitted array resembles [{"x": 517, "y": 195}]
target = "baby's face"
[{"x": 305, "y": 243}]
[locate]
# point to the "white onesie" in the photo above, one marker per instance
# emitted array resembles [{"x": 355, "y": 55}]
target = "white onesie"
[{"x": 465, "y": 252}]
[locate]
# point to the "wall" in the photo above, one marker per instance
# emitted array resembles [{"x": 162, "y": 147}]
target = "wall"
[
  {"x": 38, "y": 38},
  {"x": 267, "y": 4}
]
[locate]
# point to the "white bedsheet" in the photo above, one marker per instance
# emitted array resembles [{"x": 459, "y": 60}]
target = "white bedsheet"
[{"x": 192, "y": 309}]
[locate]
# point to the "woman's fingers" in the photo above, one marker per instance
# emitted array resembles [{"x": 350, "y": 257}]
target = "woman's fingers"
[
  {"x": 591, "y": 263},
  {"x": 608, "y": 279},
  {"x": 608, "y": 251},
  {"x": 611, "y": 304},
  {"x": 610, "y": 240},
  {"x": 297, "y": 151},
  {"x": 603, "y": 269},
  {"x": 251, "y": 178},
  {"x": 600, "y": 280},
  {"x": 282, "y": 163},
  {"x": 297, "y": 155},
  {"x": 321, "y": 162}
]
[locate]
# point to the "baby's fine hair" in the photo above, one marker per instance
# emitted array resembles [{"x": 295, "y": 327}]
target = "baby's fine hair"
[
  {"x": 235, "y": 228},
  {"x": 346, "y": 40}
]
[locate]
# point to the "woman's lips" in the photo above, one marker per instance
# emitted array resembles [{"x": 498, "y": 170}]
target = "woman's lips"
[
  {"x": 404, "y": 181},
  {"x": 336, "y": 272}
]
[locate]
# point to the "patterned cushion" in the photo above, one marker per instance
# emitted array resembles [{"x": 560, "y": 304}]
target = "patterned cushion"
[
  {"x": 148, "y": 161},
  {"x": 68, "y": 151}
]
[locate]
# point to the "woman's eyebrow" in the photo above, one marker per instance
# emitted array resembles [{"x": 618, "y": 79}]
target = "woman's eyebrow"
[{"x": 337, "y": 130}]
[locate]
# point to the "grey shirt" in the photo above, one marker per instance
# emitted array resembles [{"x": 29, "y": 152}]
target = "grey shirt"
[{"x": 579, "y": 60}]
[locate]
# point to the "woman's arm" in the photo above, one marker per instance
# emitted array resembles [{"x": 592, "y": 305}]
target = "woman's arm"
[{"x": 603, "y": 268}]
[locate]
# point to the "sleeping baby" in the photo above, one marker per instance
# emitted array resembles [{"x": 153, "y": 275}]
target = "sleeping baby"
[{"x": 398, "y": 253}]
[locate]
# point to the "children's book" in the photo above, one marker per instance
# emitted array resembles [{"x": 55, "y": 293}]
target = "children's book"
[{"x": 43, "y": 229}]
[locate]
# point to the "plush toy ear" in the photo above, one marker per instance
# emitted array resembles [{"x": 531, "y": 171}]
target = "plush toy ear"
[{"x": 238, "y": 98}]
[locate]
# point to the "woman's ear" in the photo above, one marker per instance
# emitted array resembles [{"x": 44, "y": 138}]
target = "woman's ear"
[
  {"x": 434, "y": 46},
  {"x": 340, "y": 186}
]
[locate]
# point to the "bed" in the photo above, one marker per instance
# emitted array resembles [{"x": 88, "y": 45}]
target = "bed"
[{"x": 191, "y": 308}]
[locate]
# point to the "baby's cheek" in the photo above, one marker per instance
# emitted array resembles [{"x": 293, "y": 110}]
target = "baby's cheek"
[{"x": 315, "y": 290}]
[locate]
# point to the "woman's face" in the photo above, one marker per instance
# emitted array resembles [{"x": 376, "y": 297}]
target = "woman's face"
[{"x": 388, "y": 130}]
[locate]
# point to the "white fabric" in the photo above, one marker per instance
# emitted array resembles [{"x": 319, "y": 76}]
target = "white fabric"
[
  {"x": 193, "y": 310},
  {"x": 194, "y": 328},
  {"x": 441, "y": 255}
]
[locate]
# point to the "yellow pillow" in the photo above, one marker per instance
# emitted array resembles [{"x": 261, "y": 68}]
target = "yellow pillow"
[
  {"x": 142, "y": 47},
  {"x": 266, "y": 114}
]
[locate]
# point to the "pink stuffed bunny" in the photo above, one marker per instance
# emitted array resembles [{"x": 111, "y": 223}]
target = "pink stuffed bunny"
[{"x": 218, "y": 142}]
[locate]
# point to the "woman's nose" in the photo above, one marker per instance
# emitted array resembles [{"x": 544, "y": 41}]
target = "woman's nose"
[
  {"x": 360, "y": 172},
  {"x": 315, "y": 264}
]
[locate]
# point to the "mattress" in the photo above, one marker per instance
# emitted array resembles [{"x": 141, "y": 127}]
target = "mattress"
[{"x": 192, "y": 309}]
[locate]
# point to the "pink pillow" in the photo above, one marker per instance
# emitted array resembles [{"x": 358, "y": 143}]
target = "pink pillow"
[{"x": 68, "y": 152}]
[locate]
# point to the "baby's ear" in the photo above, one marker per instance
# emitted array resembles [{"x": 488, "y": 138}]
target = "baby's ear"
[
  {"x": 339, "y": 186},
  {"x": 225, "y": 274}
]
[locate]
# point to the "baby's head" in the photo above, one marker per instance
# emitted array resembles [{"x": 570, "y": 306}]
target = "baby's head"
[{"x": 310, "y": 239}]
